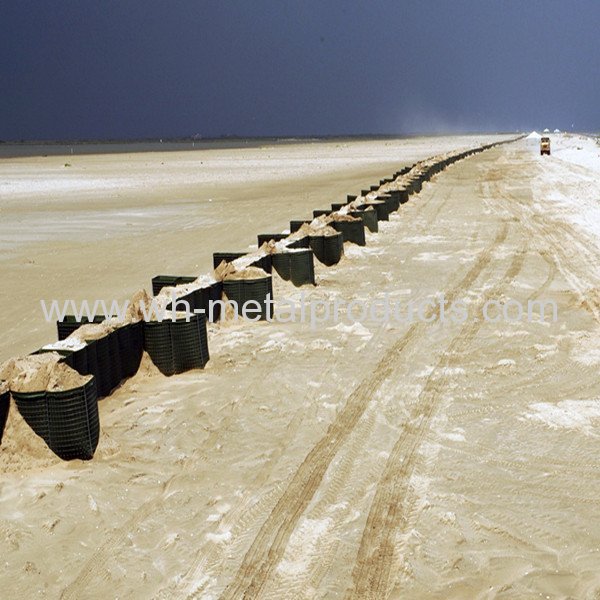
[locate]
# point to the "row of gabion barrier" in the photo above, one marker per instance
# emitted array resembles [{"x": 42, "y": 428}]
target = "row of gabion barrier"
[{"x": 68, "y": 419}]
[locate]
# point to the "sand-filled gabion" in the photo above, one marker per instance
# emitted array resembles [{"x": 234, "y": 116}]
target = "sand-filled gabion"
[
  {"x": 177, "y": 346},
  {"x": 295, "y": 265},
  {"x": 197, "y": 298},
  {"x": 251, "y": 285},
  {"x": 369, "y": 218},
  {"x": 328, "y": 249},
  {"x": 110, "y": 350},
  {"x": 59, "y": 404},
  {"x": 352, "y": 228},
  {"x": 379, "y": 206},
  {"x": 200, "y": 294},
  {"x": 392, "y": 200},
  {"x": 103, "y": 355}
]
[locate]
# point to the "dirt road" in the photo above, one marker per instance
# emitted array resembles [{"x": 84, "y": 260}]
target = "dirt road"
[{"x": 365, "y": 460}]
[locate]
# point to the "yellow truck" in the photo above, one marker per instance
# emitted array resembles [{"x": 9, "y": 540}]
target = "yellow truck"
[{"x": 545, "y": 146}]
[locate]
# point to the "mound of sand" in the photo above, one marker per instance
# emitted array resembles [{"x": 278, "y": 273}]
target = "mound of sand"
[
  {"x": 223, "y": 269},
  {"x": 22, "y": 449},
  {"x": 245, "y": 261},
  {"x": 315, "y": 229},
  {"x": 92, "y": 331},
  {"x": 371, "y": 203},
  {"x": 63, "y": 378},
  {"x": 3, "y": 387},
  {"x": 29, "y": 373},
  {"x": 134, "y": 310},
  {"x": 168, "y": 293},
  {"x": 246, "y": 273},
  {"x": 147, "y": 369},
  {"x": 339, "y": 217},
  {"x": 40, "y": 372}
]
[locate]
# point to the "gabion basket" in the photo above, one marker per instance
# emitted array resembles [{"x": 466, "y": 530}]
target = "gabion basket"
[
  {"x": 369, "y": 218},
  {"x": 353, "y": 231},
  {"x": 392, "y": 200},
  {"x": 243, "y": 290},
  {"x": 177, "y": 346},
  {"x": 381, "y": 208},
  {"x": 68, "y": 421},
  {"x": 297, "y": 267},
  {"x": 327, "y": 249}
]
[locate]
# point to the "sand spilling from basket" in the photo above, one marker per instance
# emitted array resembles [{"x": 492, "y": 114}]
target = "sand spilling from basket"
[
  {"x": 146, "y": 369},
  {"x": 22, "y": 449},
  {"x": 139, "y": 302}
]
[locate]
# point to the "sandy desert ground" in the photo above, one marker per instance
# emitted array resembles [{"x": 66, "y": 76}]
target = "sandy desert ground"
[{"x": 361, "y": 460}]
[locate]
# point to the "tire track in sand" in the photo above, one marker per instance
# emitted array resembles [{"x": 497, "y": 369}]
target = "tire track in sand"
[
  {"x": 572, "y": 251},
  {"x": 269, "y": 544},
  {"x": 372, "y": 575}
]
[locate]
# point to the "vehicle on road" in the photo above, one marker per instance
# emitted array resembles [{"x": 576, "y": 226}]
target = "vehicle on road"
[{"x": 545, "y": 146}]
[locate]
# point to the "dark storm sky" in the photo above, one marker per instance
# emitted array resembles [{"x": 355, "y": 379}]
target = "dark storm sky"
[{"x": 144, "y": 68}]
